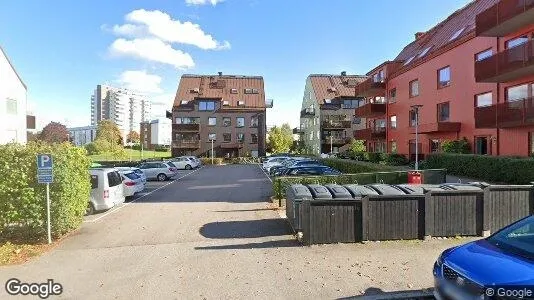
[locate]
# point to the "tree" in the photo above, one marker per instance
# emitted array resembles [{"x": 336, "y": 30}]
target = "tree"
[
  {"x": 108, "y": 140},
  {"x": 32, "y": 137},
  {"x": 280, "y": 138},
  {"x": 357, "y": 146},
  {"x": 133, "y": 137},
  {"x": 54, "y": 132}
]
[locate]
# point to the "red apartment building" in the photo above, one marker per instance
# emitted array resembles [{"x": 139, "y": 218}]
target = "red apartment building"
[{"x": 471, "y": 76}]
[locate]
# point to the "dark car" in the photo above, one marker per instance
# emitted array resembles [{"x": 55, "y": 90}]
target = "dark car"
[
  {"x": 309, "y": 170},
  {"x": 276, "y": 171},
  {"x": 491, "y": 265},
  {"x": 286, "y": 163}
]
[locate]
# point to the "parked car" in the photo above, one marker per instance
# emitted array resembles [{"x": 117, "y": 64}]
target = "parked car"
[
  {"x": 308, "y": 170},
  {"x": 106, "y": 189},
  {"x": 160, "y": 171},
  {"x": 137, "y": 171},
  {"x": 184, "y": 163},
  {"x": 195, "y": 159},
  {"x": 132, "y": 183},
  {"x": 505, "y": 258},
  {"x": 288, "y": 162},
  {"x": 276, "y": 161}
]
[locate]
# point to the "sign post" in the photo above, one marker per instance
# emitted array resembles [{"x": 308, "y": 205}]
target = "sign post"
[{"x": 45, "y": 175}]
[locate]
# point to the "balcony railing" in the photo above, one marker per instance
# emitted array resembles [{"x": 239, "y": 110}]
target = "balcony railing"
[
  {"x": 307, "y": 113},
  {"x": 505, "y": 17},
  {"x": 185, "y": 107},
  {"x": 176, "y": 128},
  {"x": 506, "y": 115},
  {"x": 186, "y": 144},
  {"x": 437, "y": 127},
  {"x": 330, "y": 106},
  {"x": 298, "y": 131},
  {"x": 371, "y": 87},
  {"x": 507, "y": 65},
  {"x": 371, "y": 110},
  {"x": 331, "y": 124},
  {"x": 335, "y": 140},
  {"x": 373, "y": 133}
]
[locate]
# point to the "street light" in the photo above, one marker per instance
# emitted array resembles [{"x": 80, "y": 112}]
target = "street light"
[
  {"x": 415, "y": 110},
  {"x": 211, "y": 140}
]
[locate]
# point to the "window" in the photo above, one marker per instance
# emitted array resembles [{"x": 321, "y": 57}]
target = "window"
[
  {"x": 530, "y": 143},
  {"x": 226, "y": 103},
  {"x": 393, "y": 146},
  {"x": 356, "y": 120},
  {"x": 481, "y": 145},
  {"x": 393, "y": 121},
  {"x": 443, "y": 112},
  {"x": 379, "y": 77},
  {"x": 444, "y": 77},
  {"x": 233, "y": 91},
  {"x": 114, "y": 179},
  {"x": 94, "y": 181},
  {"x": 212, "y": 121},
  {"x": 11, "y": 106},
  {"x": 485, "y": 99},
  {"x": 248, "y": 91},
  {"x": 186, "y": 121},
  {"x": 254, "y": 122},
  {"x": 206, "y": 106},
  {"x": 483, "y": 55},
  {"x": 424, "y": 52},
  {"x": 241, "y": 103},
  {"x": 227, "y": 137},
  {"x": 414, "y": 88},
  {"x": 392, "y": 95},
  {"x": 227, "y": 121},
  {"x": 516, "y": 41},
  {"x": 212, "y": 137},
  {"x": 351, "y": 103},
  {"x": 457, "y": 34},
  {"x": 254, "y": 138},
  {"x": 240, "y": 122},
  {"x": 435, "y": 146},
  {"x": 240, "y": 137},
  {"x": 413, "y": 118},
  {"x": 516, "y": 93},
  {"x": 409, "y": 60}
]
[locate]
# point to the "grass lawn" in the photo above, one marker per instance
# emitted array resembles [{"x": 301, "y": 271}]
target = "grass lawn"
[{"x": 130, "y": 155}]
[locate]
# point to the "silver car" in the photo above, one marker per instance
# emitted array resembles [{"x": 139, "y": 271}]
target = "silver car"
[{"x": 160, "y": 171}]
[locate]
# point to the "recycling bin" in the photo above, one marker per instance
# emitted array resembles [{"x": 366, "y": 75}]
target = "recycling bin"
[
  {"x": 295, "y": 194},
  {"x": 338, "y": 192}
]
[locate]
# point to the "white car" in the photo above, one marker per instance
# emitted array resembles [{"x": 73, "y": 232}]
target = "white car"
[
  {"x": 195, "y": 159},
  {"x": 132, "y": 183},
  {"x": 106, "y": 189},
  {"x": 184, "y": 163},
  {"x": 160, "y": 171},
  {"x": 136, "y": 170}
]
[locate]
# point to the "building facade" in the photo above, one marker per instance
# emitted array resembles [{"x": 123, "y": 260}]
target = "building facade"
[
  {"x": 327, "y": 121},
  {"x": 470, "y": 77},
  {"x": 13, "y": 103},
  {"x": 226, "y": 112},
  {"x": 124, "y": 107},
  {"x": 156, "y": 133},
  {"x": 81, "y": 136}
]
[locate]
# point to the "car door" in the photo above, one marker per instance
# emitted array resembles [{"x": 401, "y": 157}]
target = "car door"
[
  {"x": 180, "y": 163},
  {"x": 116, "y": 192},
  {"x": 149, "y": 170}
]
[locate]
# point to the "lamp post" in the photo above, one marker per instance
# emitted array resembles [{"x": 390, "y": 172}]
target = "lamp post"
[
  {"x": 211, "y": 151},
  {"x": 331, "y": 143},
  {"x": 415, "y": 109}
]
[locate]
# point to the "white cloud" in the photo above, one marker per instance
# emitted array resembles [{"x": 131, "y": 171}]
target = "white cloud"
[
  {"x": 157, "y": 24},
  {"x": 203, "y": 2},
  {"x": 140, "y": 81},
  {"x": 153, "y": 50}
]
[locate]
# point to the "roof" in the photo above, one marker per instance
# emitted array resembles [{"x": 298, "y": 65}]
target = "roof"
[
  {"x": 460, "y": 23},
  {"x": 322, "y": 85},
  {"x": 220, "y": 87},
  {"x": 12, "y": 67}
]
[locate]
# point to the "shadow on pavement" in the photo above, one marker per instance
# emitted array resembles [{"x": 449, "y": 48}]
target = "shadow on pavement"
[
  {"x": 241, "y": 210},
  {"x": 262, "y": 245},
  {"x": 373, "y": 293},
  {"x": 245, "y": 229}
]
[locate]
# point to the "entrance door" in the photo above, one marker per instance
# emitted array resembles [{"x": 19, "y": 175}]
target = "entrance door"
[{"x": 481, "y": 145}]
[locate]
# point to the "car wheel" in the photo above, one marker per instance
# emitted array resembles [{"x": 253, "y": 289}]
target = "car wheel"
[
  {"x": 162, "y": 177},
  {"x": 188, "y": 167},
  {"x": 90, "y": 209}
]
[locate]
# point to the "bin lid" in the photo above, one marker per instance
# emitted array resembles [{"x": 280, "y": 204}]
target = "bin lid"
[
  {"x": 338, "y": 191},
  {"x": 300, "y": 191},
  {"x": 460, "y": 187},
  {"x": 319, "y": 191},
  {"x": 419, "y": 189},
  {"x": 359, "y": 190},
  {"x": 386, "y": 189}
]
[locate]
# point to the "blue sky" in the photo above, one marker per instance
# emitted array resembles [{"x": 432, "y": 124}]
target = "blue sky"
[{"x": 63, "y": 49}]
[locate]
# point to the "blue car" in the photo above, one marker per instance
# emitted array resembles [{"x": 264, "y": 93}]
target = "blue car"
[{"x": 485, "y": 267}]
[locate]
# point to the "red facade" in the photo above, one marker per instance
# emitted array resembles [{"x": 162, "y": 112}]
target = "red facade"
[{"x": 464, "y": 90}]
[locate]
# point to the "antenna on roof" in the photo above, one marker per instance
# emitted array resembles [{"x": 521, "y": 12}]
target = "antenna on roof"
[
  {"x": 220, "y": 73},
  {"x": 343, "y": 73}
]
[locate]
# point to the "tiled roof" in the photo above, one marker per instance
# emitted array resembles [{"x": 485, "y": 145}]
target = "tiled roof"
[
  {"x": 441, "y": 34},
  {"x": 12, "y": 67},
  {"x": 343, "y": 85},
  {"x": 220, "y": 87}
]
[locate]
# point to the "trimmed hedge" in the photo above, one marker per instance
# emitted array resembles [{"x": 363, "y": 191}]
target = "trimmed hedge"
[
  {"x": 352, "y": 166},
  {"x": 216, "y": 161},
  {"x": 497, "y": 169},
  {"x": 23, "y": 200},
  {"x": 244, "y": 160}
]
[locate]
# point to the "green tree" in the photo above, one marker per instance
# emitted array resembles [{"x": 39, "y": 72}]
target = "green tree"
[
  {"x": 133, "y": 137},
  {"x": 280, "y": 138},
  {"x": 108, "y": 140},
  {"x": 54, "y": 132},
  {"x": 357, "y": 146}
]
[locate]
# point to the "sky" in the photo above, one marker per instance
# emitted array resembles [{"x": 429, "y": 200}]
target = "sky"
[{"x": 62, "y": 49}]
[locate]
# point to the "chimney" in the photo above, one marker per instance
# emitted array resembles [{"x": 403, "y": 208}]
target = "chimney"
[
  {"x": 343, "y": 73},
  {"x": 419, "y": 35},
  {"x": 220, "y": 73}
]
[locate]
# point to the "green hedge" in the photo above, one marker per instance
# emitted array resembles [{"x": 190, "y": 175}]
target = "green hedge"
[
  {"x": 243, "y": 160},
  {"x": 496, "y": 169},
  {"x": 353, "y": 166},
  {"x": 216, "y": 161},
  {"x": 23, "y": 201}
]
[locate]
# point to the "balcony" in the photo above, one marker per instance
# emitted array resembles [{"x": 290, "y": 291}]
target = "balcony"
[
  {"x": 185, "y": 107},
  {"x": 371, "y": 110},
  {"x": 335, "y": 140},
  {"x": 298, "y": 131},
  {"x": 437, "y": 127},
  {"x": 186, "y": 144},
  {"x": 237, "y": 145},
  {"x": 331, "y": 124},
  {"x": 307, "y": 113},
  {"x": 507, "y": 65},
  {"x": 371, "y": 87},
  {"x": 505, "y": 17},
  {"x": 330, "y": 106},
  {"x": 177, "y": 128},
  {"x": 506, "y": 115},
  {"x": 374, "y": 133}
]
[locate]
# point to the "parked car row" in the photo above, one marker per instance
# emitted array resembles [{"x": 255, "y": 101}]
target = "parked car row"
[{"x": 296, "y": 166}]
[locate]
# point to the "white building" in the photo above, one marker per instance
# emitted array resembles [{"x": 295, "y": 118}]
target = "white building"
[
  {"x": 12, "y": 103},
  {"x": 123, "y": 106},
  {"x": 81, "y": 136},
  {"x": 157, "y": 132}
]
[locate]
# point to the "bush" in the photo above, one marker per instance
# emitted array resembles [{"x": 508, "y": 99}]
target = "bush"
[
  {"x": 352, "y": 167},
  {"x": 162, "y": 148},
  {"x": 456, "y": 146},
  {"x": 244, "y": 160},
  {"x": 22, "y": 200},
  {"x": 395, "y": 159},
  {"x": 136, "y": 147},
  {"x": 487, "y": 168},
  {"x": 372, "y": 157},
  {"x": 216, "y": 161},
  {"x": 91, "y": 149}
]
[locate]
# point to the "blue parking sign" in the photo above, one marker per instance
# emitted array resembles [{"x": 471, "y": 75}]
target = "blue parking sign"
[{"x": 44, "y": 168}]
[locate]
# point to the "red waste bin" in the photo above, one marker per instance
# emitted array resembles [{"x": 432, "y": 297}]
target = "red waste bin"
[{"x": 414, "y": 177}]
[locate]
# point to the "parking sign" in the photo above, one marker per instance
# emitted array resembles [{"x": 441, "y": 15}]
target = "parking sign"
[{"x": 44, "y": 168}]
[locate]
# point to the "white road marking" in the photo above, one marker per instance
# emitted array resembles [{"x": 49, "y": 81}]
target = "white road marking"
[
  {"x": 265, "y": 174},
  {"x": 143, "y": 195}
]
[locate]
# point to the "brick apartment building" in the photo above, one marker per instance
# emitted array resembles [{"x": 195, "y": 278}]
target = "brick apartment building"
[
  {"x": 228, "y": 109},
  {"x": 471, "y": 76},
  {"x": 327, "y": 121}
]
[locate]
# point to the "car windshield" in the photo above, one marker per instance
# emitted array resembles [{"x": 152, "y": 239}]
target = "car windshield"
[
  {"x": 517, "y": 238},
  {"x": 132, "y": 176},
  {"x": 171, "y": 164}
]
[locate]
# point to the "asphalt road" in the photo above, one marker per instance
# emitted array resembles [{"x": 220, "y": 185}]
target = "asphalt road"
[{"x": 211, "y": 235}]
